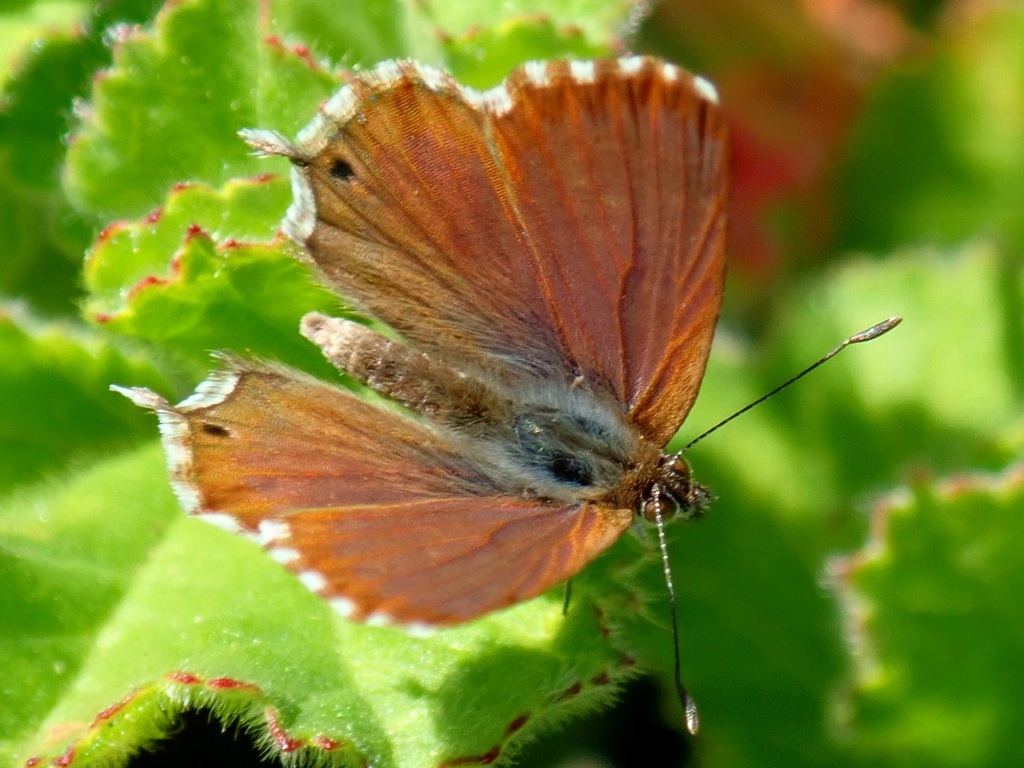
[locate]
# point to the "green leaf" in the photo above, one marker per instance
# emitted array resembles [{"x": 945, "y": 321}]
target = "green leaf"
[
  {"x": 599, "y": 21},
  {"x": 41, "y": 237},
  {"x": 934, "y": 611},
  {"x": 167, "y": 281},
  {"x": 67, "y": 553},
  {"x": 484, "y": 56},
  {"x": 42, "y": 241},
  {"x": 360, "y": 33},
  {"x": 57, "y": 408},
  {"x": 171, "y": 107},
  {"x": 32, "y": 21},
  {"x": 943, "y": 384}
]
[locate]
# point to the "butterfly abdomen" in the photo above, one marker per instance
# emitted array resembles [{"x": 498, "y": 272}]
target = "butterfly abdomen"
[
  {"x": 402, "y": 374},
  {"x": 542, "y": 439}
]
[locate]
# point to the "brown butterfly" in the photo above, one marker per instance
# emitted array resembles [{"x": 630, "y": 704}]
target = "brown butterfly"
[{"x": 550, "y": 256}]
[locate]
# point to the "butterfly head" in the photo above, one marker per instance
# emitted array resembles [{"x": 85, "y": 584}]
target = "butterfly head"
[{"x": 673, "y": 492}]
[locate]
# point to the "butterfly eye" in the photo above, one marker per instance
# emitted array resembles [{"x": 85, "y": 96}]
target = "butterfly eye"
[
  {"x": 341, "y": 170},
  {"x": 663, "y": 504},
  {"x": 690, "y": 499},
  {"x": 673, "y": 492}
]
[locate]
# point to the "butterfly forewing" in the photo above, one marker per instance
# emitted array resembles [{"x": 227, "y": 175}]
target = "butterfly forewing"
[
  {"x": 618, "y": 175},
  {"x": 418, "y": 233},
  {"x": 569, "y": 222}
]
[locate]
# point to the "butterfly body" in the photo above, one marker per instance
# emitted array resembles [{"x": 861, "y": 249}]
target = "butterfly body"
[
  {"x": 550, "y": 257},
  {"x": 538, "y": 438}
]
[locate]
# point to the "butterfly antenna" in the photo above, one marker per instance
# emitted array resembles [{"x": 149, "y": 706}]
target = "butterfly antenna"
[
  {"x": 689, "y": 705},
  {"x": 866, "y": 335}
]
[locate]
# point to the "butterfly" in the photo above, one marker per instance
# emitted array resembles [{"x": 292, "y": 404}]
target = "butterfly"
[{"x": 548, "y": 256}]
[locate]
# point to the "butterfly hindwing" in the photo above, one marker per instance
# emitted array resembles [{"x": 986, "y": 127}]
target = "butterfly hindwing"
[{"x": 374, "y": 510}]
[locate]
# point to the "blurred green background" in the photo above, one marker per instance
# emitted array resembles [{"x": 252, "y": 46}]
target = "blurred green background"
[{"x": 853, "y": 598}]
